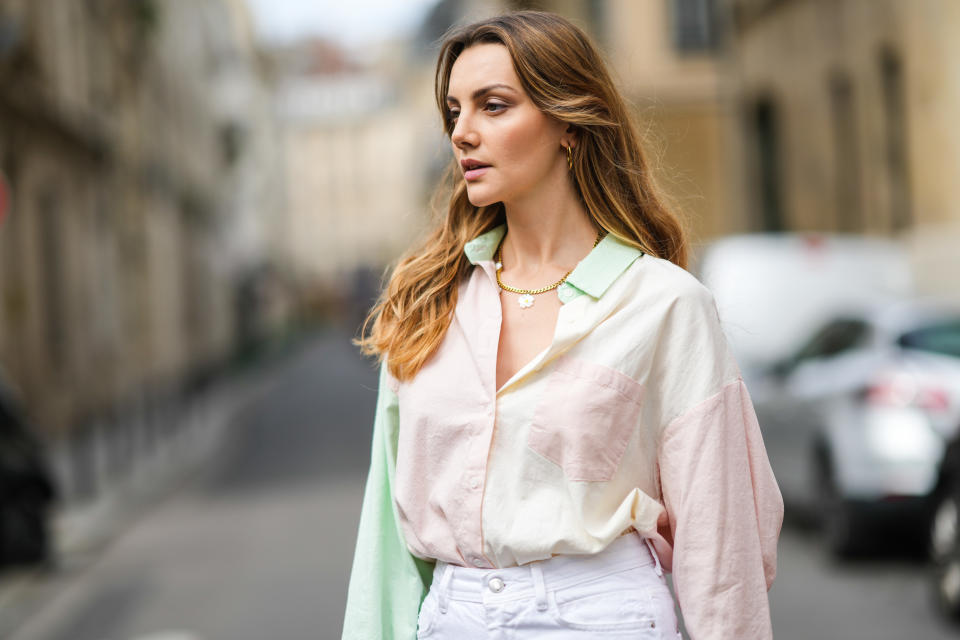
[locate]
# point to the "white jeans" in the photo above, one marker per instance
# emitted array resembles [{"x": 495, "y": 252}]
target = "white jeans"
[{"x": 618, "y": 593}]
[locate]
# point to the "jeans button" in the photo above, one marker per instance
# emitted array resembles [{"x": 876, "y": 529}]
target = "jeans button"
[{"x": 496, "y": 585}]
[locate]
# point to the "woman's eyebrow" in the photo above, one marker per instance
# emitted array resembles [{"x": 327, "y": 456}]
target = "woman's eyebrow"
[{"x": 479, "y": 93}]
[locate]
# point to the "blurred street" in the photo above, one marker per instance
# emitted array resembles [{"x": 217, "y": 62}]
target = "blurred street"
[
  {"x": 259, "y": 544},
  {"x": 876, "y": 598}
]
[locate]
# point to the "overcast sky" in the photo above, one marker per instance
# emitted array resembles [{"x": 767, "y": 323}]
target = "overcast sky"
[{"x": 351, "y": 22}]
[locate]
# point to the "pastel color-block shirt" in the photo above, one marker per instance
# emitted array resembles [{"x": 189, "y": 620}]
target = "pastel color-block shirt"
[{"x": 634, "y": 417}]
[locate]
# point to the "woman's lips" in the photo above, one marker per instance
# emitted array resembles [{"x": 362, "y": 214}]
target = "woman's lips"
[{"x": 473, "y": 174}]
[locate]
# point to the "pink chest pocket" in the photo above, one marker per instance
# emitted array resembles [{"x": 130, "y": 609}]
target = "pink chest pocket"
[{"x": 585, "y": 419}]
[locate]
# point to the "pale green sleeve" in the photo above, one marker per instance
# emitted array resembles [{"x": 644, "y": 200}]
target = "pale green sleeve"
[{"x": 387, "y": 583}]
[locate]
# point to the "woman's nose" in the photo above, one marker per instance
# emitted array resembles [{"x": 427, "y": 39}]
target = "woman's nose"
[{"x": 463, "y": 133}]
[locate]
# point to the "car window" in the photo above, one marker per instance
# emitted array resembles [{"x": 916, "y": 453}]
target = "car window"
[
  {"x": 943, "y": 337},
  {"x": 835, "y": 338}
]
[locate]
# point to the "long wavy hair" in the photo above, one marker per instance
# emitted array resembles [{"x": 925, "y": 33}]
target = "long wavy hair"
[{"x": 565, "y": 76}]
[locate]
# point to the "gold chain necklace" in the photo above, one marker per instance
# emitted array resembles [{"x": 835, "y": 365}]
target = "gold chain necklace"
[{"x": 526, "y": 295}]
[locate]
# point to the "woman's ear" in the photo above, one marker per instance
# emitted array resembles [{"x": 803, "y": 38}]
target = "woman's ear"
[{"x": 570, "y": 135}]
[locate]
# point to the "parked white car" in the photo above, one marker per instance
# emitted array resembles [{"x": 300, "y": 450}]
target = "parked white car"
[
  {"x": 854, "y": 407},
  {"x": 856, "y": 421}
]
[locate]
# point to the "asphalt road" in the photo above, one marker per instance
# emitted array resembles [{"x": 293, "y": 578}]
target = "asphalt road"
[{"x": 258, "y": 546}]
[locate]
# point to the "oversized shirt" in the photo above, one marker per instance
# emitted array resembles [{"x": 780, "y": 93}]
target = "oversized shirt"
[{"x": 634, "y": 417}]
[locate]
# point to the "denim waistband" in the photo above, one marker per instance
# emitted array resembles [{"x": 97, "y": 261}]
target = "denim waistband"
[{"x": 628, "y": 551}]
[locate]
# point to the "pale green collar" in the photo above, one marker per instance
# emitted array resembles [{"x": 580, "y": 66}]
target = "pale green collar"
[
  {"x": 484, "y": 245},
  {"x": 593, "y": 275}
]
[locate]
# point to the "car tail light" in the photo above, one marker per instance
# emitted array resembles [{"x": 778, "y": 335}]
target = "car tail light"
[
  {"x": 905, "y": 394},
  {"x": 934, "y": 399}
]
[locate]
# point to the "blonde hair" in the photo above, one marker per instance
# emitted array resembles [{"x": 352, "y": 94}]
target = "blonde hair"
[{"x": 564, "y": 75}]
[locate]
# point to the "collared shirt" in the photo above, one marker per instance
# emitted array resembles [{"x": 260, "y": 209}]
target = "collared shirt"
[{"x": 634, "y": 417}]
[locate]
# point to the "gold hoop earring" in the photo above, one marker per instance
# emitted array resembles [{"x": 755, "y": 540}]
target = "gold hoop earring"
[{"x": 569, "y": 159}]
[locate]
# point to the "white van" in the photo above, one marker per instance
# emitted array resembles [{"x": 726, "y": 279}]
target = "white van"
[{"x": 773, "y": 289}]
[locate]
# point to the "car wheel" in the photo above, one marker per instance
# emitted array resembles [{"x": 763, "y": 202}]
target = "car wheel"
[
  {"x": 841, "y": 522},
  {"x": 24, "y": 534},
  {"x": 945, "y": 554}
]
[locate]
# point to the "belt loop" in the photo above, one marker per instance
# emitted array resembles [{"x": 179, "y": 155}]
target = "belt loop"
[
  {"x": 539, "y": 586},
  {"x": 656, "y": 558},
  {"x": 443, "y": 588}
]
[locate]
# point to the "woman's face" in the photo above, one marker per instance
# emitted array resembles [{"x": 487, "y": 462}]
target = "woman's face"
[{"x": 497, "y": 125}]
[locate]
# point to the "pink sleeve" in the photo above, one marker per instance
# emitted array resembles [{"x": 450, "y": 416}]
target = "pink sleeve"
[{"x": 725, "y": 511}]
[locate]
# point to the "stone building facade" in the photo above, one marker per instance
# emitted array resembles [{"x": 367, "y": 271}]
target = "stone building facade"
[
  {"x": 120, "y": 255},
  {"x": 846, "y": 122}
]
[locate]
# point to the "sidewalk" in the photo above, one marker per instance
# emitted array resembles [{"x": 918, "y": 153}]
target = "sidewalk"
[{"x": 81, "y": 531}]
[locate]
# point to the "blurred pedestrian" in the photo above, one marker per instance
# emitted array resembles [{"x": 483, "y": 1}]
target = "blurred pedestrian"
[{"x": 559, "y": 418}]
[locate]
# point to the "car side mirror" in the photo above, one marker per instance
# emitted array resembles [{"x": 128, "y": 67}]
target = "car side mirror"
[{"x": 782, "y": 368}]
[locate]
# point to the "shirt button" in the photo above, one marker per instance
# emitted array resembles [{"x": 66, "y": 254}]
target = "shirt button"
[
  {"x": 477, "y": 562},
  {"x": 474, "y": 483},
  {"x": 496, "y": 585}
]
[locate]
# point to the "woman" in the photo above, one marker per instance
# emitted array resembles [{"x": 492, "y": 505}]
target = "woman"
[{"x": 559, "y": 419}]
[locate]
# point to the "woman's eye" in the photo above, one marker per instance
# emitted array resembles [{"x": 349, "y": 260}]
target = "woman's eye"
[{"x": 496, "y": 104}]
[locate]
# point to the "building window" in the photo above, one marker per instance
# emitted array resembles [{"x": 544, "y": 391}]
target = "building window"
[
  {"x": 891, "y": 79},
  {"x": 597, "y": 17},
  {"x": 695, "y": 25},
  {"x": 766, "y": 160},
  {"x": 846, "y": 156},
  {"x": 52, "y": 272}
]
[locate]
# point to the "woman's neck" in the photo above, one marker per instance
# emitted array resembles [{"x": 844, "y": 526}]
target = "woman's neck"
[{"x": 552, "y": 234}]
